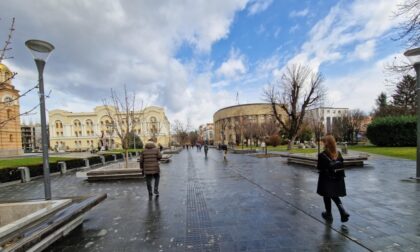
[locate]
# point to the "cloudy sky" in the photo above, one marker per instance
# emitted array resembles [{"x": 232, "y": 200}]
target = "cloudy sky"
[{"x": 193, "y": 57}]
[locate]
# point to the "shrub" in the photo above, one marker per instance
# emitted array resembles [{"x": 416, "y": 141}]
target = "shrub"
[
  {"x": 274, "y": 140},
  {"x": 393, "y": 131},
  {"x": 75, "y": 163},
  {"x": 109, "y": 157},
  {"x": 94, "y": 160}
]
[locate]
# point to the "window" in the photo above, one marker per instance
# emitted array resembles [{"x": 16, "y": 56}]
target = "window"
[
  {"x": 8, "y": 100},
  {"x": 9, "y": 113},
  {"x": 11, "y": 138}
]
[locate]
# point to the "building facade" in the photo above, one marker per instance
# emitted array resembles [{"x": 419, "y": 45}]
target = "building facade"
[
  {"x": 10, "y": 132},
  {"x": 326, "y": 116},
  {"x": 31, "y": 137},
  {"x": 230, "y": 122},
  {"x": 91, "y": 130},
  {"x": 206, "y": 133}
]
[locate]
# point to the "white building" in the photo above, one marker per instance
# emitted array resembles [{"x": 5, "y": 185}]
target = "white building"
[{"x": 327, "y": 116}]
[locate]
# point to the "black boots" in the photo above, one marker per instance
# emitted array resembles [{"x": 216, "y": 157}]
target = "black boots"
[
  {"x": 156, "y": 192},
  {"x": 344, "y": 215},
  {"x": 327, "y": 216}
]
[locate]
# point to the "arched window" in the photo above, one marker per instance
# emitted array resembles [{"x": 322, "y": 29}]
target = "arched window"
[
  {"x": 77, "y": 123},
  {"x": 9, "y": 113},
  {"x": 11, "y": 138},
  {"x": 8, "y": 100}
]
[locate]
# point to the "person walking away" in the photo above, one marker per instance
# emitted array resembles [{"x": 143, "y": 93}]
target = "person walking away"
[
  {"x": 206, "y": 150},
  {"x": 149, "y": 162},
  {"x": 224, "y": 148},
  {"x": 331, "y": 185}
]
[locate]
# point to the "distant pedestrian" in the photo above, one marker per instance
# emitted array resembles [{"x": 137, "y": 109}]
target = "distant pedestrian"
[
  {"x": 331, "y": 183},
  {"x": 206, "y": 149},
  {"x": 224, "y": 149},
  {"x": 160, "y": 147},
  {"x": 149, "y": 162}
]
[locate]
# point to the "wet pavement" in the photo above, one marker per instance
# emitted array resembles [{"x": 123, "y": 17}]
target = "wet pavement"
[{"x": 244, "y": 204}]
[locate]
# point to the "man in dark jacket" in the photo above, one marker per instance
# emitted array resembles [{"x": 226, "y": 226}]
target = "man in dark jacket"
[{"x": 149, "y": 162}]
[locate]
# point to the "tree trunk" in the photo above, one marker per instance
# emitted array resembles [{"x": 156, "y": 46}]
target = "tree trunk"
[
  {"x": 126, "y": 158},
  {"x": 290, "y": 144}
]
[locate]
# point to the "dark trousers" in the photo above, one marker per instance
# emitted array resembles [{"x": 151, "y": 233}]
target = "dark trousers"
[
  {"x": 327, "y": 202},
  {"x": 149, "y": 178}
]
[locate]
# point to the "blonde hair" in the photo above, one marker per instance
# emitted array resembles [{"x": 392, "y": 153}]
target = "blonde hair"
[{"x": 330, "y": 146}]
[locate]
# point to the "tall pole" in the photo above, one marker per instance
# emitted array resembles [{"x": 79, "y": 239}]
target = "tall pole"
[
  {"x": 417, "y": 68},
  {"x": 40, "y": 64}
]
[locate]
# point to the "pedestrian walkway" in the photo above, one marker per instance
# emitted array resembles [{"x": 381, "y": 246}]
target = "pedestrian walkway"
[{"x": 244, "y": 204}]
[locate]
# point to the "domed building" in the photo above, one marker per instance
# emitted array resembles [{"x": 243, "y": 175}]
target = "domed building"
[
  {"x": 10, "y": 132},
  {"x": 229, "y": 121}
]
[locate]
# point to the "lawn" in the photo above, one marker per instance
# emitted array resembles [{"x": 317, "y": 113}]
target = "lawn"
[
  {"x": 17, "y": 162},
  {"x": 123, "y": 151},
  {"x": 399, "y": 152}
]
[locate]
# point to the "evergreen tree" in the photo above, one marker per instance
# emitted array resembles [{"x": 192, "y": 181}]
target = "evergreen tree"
[
  {"x": 405, "y": 94},
  {"x": 381, "y": 101}
]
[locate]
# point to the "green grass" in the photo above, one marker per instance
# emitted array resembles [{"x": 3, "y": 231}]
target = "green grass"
[
  {"x": 17, "y": 162},
  {"x": 123, "y": 151},
  {"x": 399, "y": 152}
]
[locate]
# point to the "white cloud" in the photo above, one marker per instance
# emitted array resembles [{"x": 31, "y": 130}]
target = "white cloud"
[
  {"x": 364, "y": 51},
  {"x": 358, "y": 90},
  {"x": 294, "y": 28},
  {"x": 344, "y": 26},
  {"x": 100, "y": 45},
  {"x": 257, "y": 6},
  {"x": 234, "y": 67},
  {"x": 301, "y": 13}
]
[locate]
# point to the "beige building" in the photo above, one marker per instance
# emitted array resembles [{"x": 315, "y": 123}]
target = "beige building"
[
  {"x": 10, "y": 134},
  {"x": 206, "y": 133},
  {"x": 229, "y": 122},
  {"x": 87, "y": 130}
]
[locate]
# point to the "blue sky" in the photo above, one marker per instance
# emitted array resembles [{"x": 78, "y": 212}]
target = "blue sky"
[{"x": 193, "y": 57}]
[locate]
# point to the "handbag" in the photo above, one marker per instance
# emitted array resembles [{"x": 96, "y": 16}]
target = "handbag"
[{"x": 333, "y": 167}]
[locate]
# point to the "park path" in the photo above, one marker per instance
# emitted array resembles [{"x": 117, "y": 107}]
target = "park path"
[{"x": 244, "y": 204}]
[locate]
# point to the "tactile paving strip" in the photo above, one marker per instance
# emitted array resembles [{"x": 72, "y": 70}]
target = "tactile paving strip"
[{"x": 199, "y": 236}]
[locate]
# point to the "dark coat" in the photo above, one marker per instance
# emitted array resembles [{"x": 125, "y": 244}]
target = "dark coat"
[
  {"x": 149, "y": 159},
  {"x": 327, "y": 186}
]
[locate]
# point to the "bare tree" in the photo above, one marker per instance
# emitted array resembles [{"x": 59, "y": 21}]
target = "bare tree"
[
  {"x": 410, "y": 26},
  {"x": 301, "y": 89},
  {"x": 181, "y": 132},
  {"x": 121, "y": 110},
  {"x": 408, "y": 31},
  {"x": 223, "y": 126},
  {"x": 356, "y": 119}
]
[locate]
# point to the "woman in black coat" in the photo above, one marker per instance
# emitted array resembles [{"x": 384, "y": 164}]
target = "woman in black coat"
[{"x": 331, "y": 183}]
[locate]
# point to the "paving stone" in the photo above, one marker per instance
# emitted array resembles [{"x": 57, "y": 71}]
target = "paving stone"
[{"x": 244, "y": 204}]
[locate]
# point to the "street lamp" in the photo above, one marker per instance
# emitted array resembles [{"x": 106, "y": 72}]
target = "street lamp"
[
  {"x": 40, "y": 50},
  {"x": 413, "y": 56}
]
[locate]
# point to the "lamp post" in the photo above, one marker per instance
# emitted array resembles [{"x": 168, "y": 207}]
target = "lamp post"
[
  {"x": 413, "y": 56},
  {"x": 40, "y": 50}
]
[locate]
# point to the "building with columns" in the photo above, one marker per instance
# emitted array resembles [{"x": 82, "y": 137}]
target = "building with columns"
[
  {"x": 326, "y": 116},
  {"x": 89, "y": 130},
  {"x": 229, "y": 122},
  {"x": 10, "y": 133}
]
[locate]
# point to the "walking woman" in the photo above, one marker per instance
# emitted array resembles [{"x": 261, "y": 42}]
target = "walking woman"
[
  {"x": 331, "y": 183},
  {"x": 149, "y": 162}
]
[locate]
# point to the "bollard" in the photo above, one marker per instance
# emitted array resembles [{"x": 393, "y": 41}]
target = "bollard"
[
  {"x": 63, "y": 167},
  {"x": 102, "y": 159},
  {"x": 24, "y": 174},
  {"x": 115, "y": 157},
  {"x": 130, "y": 155},
  {"x": 86, "y": 163}
]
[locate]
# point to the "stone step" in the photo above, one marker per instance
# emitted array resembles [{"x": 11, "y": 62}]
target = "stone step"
[
  {"x": 116, "y": 176},
  {"x": 114, "y": 171}
]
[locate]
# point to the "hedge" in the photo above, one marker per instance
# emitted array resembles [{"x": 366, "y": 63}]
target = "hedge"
[
  {"x": 95, "y": 160},
  {"x": 393, "y": 131}
]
